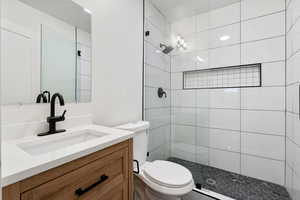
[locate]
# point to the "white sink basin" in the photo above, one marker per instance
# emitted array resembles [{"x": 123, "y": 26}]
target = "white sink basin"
[{"x": 50, "y": 144}]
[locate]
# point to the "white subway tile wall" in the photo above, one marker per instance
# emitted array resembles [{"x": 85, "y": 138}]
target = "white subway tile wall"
[
  {"x": 238, "y": 129},
  {"x": 292, "y": 98},
  {"x": 84, "y": 81},
  {"x": 226, "y": 160},
  {"x": 225, "y": 56},
  {"x": 157, "y": 74},
  {"x": 256, "y": 8},
  {"x": 263, "y": 51},
  {"x": 262, "y": 168},
  {"x": 255, "y": 29}
]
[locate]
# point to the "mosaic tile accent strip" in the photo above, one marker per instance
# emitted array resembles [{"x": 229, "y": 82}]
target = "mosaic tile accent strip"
[
  {"x": 233, "y": 185},
  {"x": 226, "y": 77}
]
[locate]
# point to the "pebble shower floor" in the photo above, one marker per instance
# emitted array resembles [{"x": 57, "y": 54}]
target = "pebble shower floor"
[{"x": 233, "y": 185}]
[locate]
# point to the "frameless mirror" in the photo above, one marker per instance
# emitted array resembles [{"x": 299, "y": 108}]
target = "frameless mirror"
[{"x": 46, "y": 47}]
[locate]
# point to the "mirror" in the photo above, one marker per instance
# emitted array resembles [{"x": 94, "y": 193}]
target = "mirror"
[{"x": 46, "y": 46}]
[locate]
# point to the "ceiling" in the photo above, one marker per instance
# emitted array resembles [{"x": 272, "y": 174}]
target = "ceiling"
[
  {"x": 65, "y": 10},
  {"x": 177, "y": 9}
]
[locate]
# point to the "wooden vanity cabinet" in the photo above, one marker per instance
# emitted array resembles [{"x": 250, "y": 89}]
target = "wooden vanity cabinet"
[{"x": 104, "y": 175}]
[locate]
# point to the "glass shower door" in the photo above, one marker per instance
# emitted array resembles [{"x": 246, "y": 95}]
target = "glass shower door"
[
  {"x": 157, "y": 65},
  {"x": 199, "y": 123}
]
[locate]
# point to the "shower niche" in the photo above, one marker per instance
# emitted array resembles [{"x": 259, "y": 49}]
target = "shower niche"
[{"x": 225, "y": 77}]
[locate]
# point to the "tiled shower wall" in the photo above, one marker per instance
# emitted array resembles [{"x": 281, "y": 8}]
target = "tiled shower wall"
[
  {"x": 157, "y": 74},
  {"x": 293, "y": 82},
  {"x": 84, "y": 64},
  {"x": 242, "y": 129}
]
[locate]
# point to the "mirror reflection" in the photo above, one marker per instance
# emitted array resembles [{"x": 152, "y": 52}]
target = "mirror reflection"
[{"x": 47, "y": 50}]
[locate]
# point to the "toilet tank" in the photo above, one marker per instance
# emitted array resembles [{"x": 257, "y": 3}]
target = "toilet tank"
[{"x": 140, "y": 140}]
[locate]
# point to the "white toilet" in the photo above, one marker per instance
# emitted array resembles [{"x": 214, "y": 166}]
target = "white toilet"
[{"x": 157, "y": 180}]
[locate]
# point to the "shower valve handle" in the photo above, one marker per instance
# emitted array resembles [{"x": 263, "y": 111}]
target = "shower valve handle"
[{"x": 161, "y": 93}]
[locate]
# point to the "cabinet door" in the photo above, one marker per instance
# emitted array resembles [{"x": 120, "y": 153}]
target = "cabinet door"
[{"x": 106, "y": 178}]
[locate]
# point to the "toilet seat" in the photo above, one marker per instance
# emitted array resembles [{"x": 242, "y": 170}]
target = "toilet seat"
[{"x": 167, "y": 177}]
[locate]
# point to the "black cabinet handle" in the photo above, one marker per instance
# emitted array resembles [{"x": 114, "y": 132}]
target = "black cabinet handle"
[
  {"x": 137, "y": 166},
  {"x": 79, "y": 192}
]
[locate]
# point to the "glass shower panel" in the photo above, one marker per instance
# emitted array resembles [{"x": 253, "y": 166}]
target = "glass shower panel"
[
  {"x": 157, "y": 108},
  {"x": 200, "y": 50},
  {"x": 202, "y": 126},
  {"x": 58, "y": 71},
  {"x": 198, "y": 125},
  {"x": 224, "y": 50},
  {"x": 190, "y": 108}
]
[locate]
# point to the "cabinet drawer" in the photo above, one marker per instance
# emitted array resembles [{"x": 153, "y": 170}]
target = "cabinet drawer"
[
  {"x": 115, "y": 194},
  {"x": 106, "y": 177}
]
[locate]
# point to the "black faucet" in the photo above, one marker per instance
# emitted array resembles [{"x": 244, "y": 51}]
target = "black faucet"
[
  {"x": 48, "y": 95},
  {"x": 52, "y": 119},
  {"x": 41, "y": 98}
]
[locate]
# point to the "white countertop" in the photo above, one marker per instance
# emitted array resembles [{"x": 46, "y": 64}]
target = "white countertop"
[{"x": 18, "y": 164}]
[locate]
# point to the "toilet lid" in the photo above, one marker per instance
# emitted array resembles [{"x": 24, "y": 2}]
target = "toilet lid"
[{"x": 168, "y": 174}]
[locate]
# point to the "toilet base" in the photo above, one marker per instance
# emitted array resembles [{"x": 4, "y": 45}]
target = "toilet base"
[{"x": 144, "y": 192}]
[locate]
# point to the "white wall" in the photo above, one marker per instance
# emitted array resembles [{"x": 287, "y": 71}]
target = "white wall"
[
  {"x": 117, "y": 61},
  {"x": 240, "y": 130},
  {"x": 292, "y": 88},
  {"x": 0, "y": 110}
]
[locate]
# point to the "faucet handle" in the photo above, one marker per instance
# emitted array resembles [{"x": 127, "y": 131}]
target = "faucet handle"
[
  {"x": 63, "y": 116},
  {"x": 64, "y": 113}
]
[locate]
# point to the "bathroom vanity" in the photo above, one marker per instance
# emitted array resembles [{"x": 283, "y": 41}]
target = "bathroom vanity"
[{"x": 100, "y": 168}]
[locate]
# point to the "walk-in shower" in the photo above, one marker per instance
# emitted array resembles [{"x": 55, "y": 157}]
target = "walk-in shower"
[{"x": 224, "y": 73}]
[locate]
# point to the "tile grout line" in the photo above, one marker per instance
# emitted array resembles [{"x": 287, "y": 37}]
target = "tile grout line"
[
  {"x": 240, "y": 153},
  {"x": 231, "y": 130},
  {"x": 234, "y": 23},
  {"x": 227, "y": 108},
  {"x": 289, "y": 29},
  {"x": 196, "y": 67},
  {"x": 231, "y": 45},
  {"x": 285, "y": 93},
  {"x": 240, "y": 93},
  {"x": 292, "y": 140},
  {"x": 196, "y": 113},
  {"x": 170, "y": 116}
]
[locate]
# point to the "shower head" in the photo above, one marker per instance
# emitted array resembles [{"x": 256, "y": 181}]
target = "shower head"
[{"x": 166, "y": 49}]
